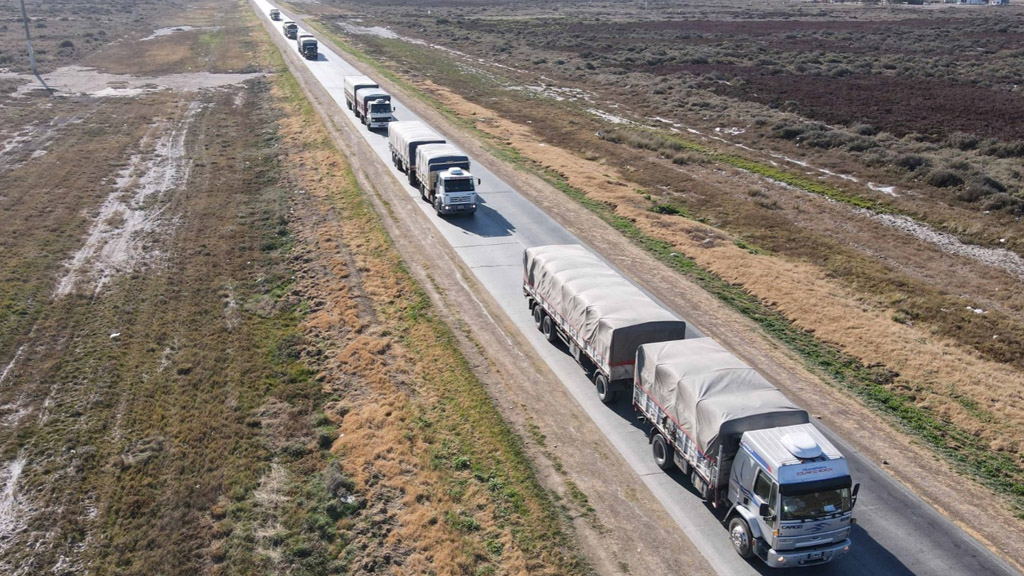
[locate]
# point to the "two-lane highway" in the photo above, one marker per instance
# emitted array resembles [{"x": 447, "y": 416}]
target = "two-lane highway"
[{"x": 897, "y": 532}]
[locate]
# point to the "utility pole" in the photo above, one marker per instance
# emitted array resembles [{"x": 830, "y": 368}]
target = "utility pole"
[{"x": 31, "y": 54}]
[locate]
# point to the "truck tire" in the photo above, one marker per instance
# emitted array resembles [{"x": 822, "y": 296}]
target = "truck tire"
[
  {"x": 423, "y": 193},
  {"x": 604, "y": 391},
  {"x": 739, "y": 533},
  {"x": 661, "y": 451},
  {"x": 538, "y": 315},
  {"x": 547, "y": 328}
]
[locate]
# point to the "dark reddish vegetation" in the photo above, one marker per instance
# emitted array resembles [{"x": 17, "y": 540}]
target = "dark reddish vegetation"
[{"x": 932, "y": 108}]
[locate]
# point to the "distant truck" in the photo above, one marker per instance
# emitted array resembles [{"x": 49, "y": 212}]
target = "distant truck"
[
  {"x": 275, "y": 14},
  {"x": 442, "y": 171},
  {"x": 373, "y": 107},
  {"x": 602, "y": 317},
  {"x": 353, "y": 83},
  {"x": 785, "y": 490},
  {"x": 307, "y": 45},
  {"x": 403, "y": 140},
  {"x": 291, "y": 29}
]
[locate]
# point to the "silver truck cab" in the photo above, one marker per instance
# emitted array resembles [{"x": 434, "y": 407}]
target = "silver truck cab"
[
  {"x": 456, "y": 192},
  {"x": 792, "y": 496}
]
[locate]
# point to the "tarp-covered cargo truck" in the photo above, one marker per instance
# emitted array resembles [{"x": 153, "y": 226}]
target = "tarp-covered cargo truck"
[
  {"x": 403, "y": 140},
  {"x": 291, "y": 29},
  {"x": 307, "y": 45},
  {"x": 275, "y": 14},
  {"x": 602, "y": 317},
  {"x": 373, "y": 107},
  {"x": 353, "y": 83},
  {"x": 785, "y": 490},
  {"x": 442, "y": 171}
]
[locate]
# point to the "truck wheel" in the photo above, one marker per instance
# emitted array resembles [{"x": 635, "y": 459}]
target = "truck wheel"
[
  {"x": 538, "y": 315},
  {"x": 604, "y": 391},
  {"x": 423, "y": 194},
  {"x": 739, "y": 533},
  {"x": 547, "y": 328},
  {"x": 662, "y": 452}
]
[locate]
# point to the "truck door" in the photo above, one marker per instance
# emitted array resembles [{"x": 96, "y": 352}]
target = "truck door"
[{"x": 766, "y": 491}]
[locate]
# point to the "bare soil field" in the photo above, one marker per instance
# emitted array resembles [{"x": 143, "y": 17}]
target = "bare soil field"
[
  {"x": 212, "y": 359},
  {"x": 882, "y": 248}
]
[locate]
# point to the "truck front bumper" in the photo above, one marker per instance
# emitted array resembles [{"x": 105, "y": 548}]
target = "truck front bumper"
[
  {"x": 458, "y": 208},
  {"x": 804, "y": 556}
]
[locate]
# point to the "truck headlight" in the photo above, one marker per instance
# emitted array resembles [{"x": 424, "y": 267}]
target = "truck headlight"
[{"x": 782, "y": 559}]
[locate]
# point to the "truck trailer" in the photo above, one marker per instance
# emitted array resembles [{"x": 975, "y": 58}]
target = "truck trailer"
[
  {"x": 403, "y": 140},
  {"x": 290, "y": 28},
  {"x": 785, "y": 490},
  {"x": 307, "y": 45},
  {"x": 442, "y": 171},
  {"x": 353, "y": 83},
  {"x": 373, "y": 107},
  {"x": 602, "y": 317}
]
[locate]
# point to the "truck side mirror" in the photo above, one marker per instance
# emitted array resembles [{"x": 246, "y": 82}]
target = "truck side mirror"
[
  {"x": 477, "y": 181},
  {"x": 764, "y": 510},
  {"x": 853, "y": 495}
]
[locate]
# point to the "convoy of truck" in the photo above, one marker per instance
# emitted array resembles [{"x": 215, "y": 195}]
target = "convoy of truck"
[
  {"x": 442, "y": 172},
  {"x": 290, "y": 28},
  {"x": 783, "y": 489},
  {"x": 403, "y": 140},
  {"x": 307, "y": 45},
  {"x": 373, "y": 107}
]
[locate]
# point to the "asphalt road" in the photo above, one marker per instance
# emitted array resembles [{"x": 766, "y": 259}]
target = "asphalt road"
[{"x": 897, "y": 533}]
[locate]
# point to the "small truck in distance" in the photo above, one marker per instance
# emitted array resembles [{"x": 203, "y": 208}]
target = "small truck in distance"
[
  {"x": 403, "y": 140},
  {"x": 444, "y": 179},
  {"x": 307, "y": 45},
  {"x": 275, "y": 14},
  {"x": 784, "y": 490},
  {"x": 353, "y": 83},
  {"x": 602, "y": 317},
  {"x": 373, "y": 107},
  {"x": 290, "y": 28}
]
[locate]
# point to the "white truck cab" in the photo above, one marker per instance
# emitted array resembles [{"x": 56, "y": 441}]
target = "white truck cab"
[
  {"x": 792, "y": 497},
  {"x": 456, "y": 192}
]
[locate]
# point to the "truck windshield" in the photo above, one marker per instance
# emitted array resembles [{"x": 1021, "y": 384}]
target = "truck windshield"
[
  {"x": 384, "y": 108},
  {"x": 810, "y": 505},
  {"x": 459, "y": 185}
]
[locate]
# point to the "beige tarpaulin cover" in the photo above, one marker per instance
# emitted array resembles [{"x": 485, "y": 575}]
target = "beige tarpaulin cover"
[
  {"x": 710, "y": 393},
  {"x": 608, "y": 314}
]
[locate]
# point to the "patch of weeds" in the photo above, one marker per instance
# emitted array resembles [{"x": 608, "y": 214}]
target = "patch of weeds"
[{"x": 462, "y": 521}]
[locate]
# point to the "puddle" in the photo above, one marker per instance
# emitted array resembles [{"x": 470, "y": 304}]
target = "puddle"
[
  {"x": 80, "y": 80},
  {"x": 1001, "y": 258},
  {"x": 118, "y": 241},
  {"x": 890, "y": 190},
  {"x": 609, "y": 117}
]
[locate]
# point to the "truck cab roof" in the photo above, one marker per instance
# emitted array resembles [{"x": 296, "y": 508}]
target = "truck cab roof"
[{"x": 795, "y": 454}]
